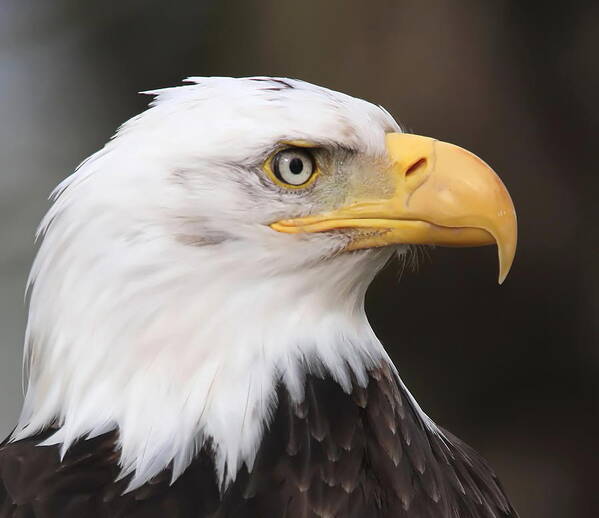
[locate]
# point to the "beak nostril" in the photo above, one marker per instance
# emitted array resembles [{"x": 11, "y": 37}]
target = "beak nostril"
[{"x": 416, "y": 166}]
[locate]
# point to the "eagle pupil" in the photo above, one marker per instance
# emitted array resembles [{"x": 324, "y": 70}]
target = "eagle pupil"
[{"x": 296, "y": 165}]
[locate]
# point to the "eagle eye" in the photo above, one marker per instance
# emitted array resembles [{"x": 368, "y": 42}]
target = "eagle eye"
[{"x": 292, "y": 167}]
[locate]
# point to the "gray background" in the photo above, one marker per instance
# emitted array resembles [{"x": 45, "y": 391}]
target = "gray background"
[{"x": 513, "y": 369}]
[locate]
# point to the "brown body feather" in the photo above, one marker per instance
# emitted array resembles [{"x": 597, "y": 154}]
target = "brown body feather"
[{"x": 367, "y": 454}]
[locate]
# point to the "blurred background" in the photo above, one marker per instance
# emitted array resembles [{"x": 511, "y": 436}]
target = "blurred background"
[{"x": 513, "y": 369}]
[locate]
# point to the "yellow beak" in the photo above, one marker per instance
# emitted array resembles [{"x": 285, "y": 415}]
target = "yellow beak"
[{"x": 444, "y": 195}]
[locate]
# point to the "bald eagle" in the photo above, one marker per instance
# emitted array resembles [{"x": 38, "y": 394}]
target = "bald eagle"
[{"x": 197, "y": 344}]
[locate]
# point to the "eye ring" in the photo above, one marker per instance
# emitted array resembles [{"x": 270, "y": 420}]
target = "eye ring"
[{"x": 292, "y": 167}]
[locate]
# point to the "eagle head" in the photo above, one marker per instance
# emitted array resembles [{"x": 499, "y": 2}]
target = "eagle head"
[{"x": 220, "y": 243}]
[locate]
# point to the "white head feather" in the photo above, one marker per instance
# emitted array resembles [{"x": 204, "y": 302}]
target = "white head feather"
[{"x": 162, "y": 304}]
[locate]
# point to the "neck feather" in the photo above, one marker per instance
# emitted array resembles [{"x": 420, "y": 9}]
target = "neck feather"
[{"x": 178, "y": 360}]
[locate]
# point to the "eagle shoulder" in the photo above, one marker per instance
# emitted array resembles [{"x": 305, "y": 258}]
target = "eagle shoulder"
[{"x": 368, "y": 453}]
